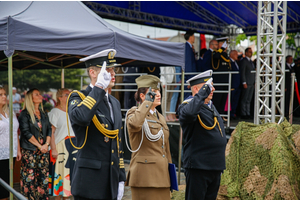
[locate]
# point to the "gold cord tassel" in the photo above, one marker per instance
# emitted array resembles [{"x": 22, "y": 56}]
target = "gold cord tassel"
[
  {"x": 212, "y": 127},
  {"x": 108, "y": 133}
]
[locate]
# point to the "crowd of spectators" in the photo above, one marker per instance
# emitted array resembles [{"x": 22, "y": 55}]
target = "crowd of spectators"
[{"x": 40, "y": 174}]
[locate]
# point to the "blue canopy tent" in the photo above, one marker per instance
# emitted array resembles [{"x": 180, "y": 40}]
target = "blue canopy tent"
[{"x": 209, "y": 17}]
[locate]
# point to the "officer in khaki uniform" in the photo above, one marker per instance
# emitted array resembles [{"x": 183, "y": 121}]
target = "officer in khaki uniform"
[
  {"x": 97, "y": 122},
  {"x": 148, "y": 133},
  {"x": 203, "y": 132}
]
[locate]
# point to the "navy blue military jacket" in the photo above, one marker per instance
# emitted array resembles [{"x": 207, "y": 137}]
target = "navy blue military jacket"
[
  {"x": 220, "y": 63},
  {"x": 204, "y": 149},
  {"x": 236, "y": 78},
  {"x": 97, "y": 170},
  {"x": 190, "y": 61}
]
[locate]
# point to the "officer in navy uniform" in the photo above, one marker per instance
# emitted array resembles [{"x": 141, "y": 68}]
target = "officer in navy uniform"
[
  {"x": 203, "y": 132},
  {"x": 97, "y": 122},
  {"x": 221, "y": 63}
]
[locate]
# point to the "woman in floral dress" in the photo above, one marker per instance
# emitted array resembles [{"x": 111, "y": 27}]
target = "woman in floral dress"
[{"x": 35, "y": 139}]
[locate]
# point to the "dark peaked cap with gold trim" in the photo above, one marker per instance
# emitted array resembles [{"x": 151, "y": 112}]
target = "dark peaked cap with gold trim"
[
  {"x": 148, "y": 81},
  {"x": 97, "y": 59},
  {"x": 200, "y": 78}
]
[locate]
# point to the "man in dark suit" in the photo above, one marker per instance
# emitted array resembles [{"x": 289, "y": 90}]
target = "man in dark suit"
[
  {"x": 190, "y": 61},
  {"x": 289, "y": 67},
  {"x": 235, "y": 83},
  {"x": 97, "y": 122},
  {"x": 200, "y": 61},
  {"x": 203, "y": 132},
  {"x": 207, "y": 64},
  {"x": 248, "y": 81}
]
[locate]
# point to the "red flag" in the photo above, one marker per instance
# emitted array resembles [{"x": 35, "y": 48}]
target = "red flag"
[
  {"x": 202, "y": 41},
  {"x": 297, "y": 91}
]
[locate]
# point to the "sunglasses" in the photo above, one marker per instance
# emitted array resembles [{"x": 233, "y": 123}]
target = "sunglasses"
[{"x": 65, "y": 95}]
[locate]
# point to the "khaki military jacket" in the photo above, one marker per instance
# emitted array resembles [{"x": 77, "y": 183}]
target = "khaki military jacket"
[{"x": 149, "y": 165}]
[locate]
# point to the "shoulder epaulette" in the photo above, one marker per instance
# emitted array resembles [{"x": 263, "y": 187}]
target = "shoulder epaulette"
[
  {"x": 186, "y": 101},
  {"x": 218, "y": 51}
]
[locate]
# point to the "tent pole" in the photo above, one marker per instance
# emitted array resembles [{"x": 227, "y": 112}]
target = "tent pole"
[
  {"x": 11, "y": 162},
  {"x": 180, "y": 136},
  {"x": 62, "y": 78}
]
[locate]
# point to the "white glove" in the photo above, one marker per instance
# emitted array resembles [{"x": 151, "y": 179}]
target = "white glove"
[
  {"x": 209, "y": 83},
  {"x": 224, "y": 45},
  {"x": 104, "y": 77},
  {"x": 120, "y": 190}
]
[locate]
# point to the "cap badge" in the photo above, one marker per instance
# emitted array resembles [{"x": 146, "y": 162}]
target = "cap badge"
[{"x": 111, "y": 55}]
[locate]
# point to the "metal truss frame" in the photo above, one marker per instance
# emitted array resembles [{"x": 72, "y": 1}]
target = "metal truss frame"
[
  {"x": 135, "y": 5},
  {"x": 226, "y": 11},
  {"x": 290, "y": 27},
  {"x": 134, "y": 16},
  {"x": 201, "y": 12},
  {"x": 270, "y": 75}
]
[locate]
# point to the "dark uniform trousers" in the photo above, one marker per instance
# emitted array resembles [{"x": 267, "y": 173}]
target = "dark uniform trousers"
[
  {"x": 202, "y": 184},
  {"x": 99, "y": 166},
  {"x": 204, "y": 149}
]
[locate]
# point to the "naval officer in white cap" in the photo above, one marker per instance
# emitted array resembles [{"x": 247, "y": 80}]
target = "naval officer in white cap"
[
  {"x": 97, "y": 123},
  {"x": 203, "y": 132}
]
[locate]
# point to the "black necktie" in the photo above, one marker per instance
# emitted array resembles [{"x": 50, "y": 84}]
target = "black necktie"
[{"x": 106, "y": 103}]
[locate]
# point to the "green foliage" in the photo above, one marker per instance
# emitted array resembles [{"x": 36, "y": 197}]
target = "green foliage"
[
  {"x": 290, "y": 39},
  {"x": 253, "y": 38},
  {"x": 43, "y": 79},
  {"x": 240, "y": 38},
  {"x": 47, "y": 107}
]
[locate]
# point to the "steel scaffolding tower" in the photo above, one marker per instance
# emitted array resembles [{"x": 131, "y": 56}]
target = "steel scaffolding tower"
[{"x": 270, "y": 65}]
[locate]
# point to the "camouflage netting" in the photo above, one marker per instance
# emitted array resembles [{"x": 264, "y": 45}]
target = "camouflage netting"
[{"x": 263, "y": 162}]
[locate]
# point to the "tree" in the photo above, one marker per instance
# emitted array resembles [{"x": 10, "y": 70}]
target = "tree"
[
  {"x": 240, "y": 38},
  {"x": 43, "y": 79}
]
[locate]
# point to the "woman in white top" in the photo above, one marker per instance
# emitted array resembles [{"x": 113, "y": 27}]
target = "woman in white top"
[
  {"x": 4, "y": 142},
  {"x": 62, "y": 150}
]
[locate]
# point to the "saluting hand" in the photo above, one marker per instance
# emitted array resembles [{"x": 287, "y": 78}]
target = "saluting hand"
[
  {"x": 150, "y": 96},
  {"x": 209, "y": 83},
  {"x": 104, "y": 77}
]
